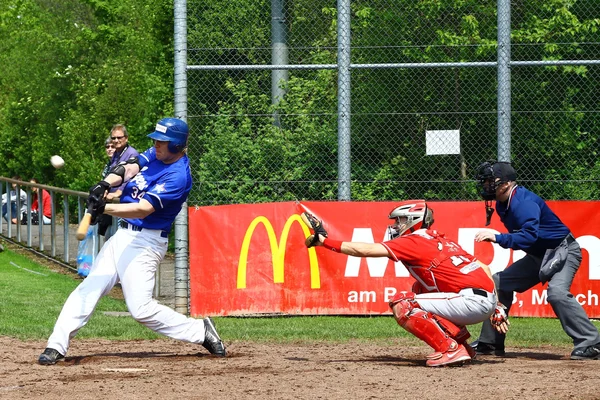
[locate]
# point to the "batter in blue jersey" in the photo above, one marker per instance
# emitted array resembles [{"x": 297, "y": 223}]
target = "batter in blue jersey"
[
  {"x": 158, "y": 183},
  {"x": 164, "y": 186}
]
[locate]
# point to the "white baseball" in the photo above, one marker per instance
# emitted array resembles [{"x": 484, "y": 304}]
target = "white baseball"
[{"x": 57, "y": 161}]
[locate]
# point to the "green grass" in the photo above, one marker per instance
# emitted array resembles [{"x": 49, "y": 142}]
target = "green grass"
[
  {"x": 525, "y": 332},
  {"x": 31, "y": 297}
]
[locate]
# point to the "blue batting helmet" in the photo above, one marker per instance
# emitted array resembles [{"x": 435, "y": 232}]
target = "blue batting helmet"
[{"x": 172, "y": 130}]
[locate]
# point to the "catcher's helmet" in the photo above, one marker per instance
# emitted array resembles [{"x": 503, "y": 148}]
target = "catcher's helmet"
[
  {"x": 172, "y": 130},
  {"x": 492, "y": 174},
  {"x": 410, "y": 215}
]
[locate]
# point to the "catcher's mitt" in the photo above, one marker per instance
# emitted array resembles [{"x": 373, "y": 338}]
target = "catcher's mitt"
[{"x": 316, "y": 226}]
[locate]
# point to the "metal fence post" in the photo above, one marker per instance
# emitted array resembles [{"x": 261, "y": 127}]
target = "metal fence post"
[
  {"x": 344, "y": 89},
  {"x": 181, "y": 222},
  {"x": 279, "y": 53},
  {"x": 504, "y": 94}
]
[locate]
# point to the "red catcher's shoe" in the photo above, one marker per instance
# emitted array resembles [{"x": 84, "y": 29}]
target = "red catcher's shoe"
[
  {"x": 470, "y": 350},
  {"x": 450, "y": 357}
]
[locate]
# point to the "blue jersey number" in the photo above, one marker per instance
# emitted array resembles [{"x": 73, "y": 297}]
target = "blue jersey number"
[{"x": 136, "y": 193}]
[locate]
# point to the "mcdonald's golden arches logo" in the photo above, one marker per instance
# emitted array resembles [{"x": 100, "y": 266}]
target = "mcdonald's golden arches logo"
[{"x": 277, "y": 251}]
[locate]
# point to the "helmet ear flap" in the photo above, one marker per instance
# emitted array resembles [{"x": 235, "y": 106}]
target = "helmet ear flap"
[
  {"x": 174, "y": 147},
  {"x": 428, "y": 218}
]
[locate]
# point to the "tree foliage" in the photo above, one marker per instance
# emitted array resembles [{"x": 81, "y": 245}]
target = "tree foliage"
[
  {"x": 554, "y": 108},
  {"x": 73, "y": 68}
]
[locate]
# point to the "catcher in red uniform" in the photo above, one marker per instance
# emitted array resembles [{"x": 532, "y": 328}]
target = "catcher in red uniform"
[{"x": 452, "y": 289}]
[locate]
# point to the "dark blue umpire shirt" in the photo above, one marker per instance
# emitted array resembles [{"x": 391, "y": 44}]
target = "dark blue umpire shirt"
[{"x": 533, "y": 226}]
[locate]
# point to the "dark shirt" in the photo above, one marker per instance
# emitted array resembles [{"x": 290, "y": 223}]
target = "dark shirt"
[
  {"x": 532, "y": 225},
  {"x": 106, "y": 169}
]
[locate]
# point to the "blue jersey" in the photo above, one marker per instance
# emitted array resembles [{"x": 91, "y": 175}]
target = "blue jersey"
[
  {"x": 165, "y": 186},
  {"x": 533, "y": 226}
]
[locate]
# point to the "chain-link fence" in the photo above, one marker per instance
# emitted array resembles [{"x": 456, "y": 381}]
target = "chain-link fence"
[{"x": 387, "y": 100}]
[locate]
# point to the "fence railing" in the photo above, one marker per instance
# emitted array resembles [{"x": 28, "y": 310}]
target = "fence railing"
[
  {"x": 68, "y": 207},
  {"x": 56, "y": 241}
]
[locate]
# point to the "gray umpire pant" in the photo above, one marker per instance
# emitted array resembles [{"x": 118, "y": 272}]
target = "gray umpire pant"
[{"x": 523, "y": 275}]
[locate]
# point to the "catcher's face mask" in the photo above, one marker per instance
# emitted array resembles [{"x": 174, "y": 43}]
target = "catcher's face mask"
[
  {"x": 408, "y": 217},
  {"x": 398, "y": 227}
]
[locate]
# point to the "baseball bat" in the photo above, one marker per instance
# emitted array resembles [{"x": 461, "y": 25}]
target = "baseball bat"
[{"x": 83, "y": 227}]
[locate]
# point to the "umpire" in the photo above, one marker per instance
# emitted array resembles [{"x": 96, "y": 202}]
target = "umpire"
[{"x": 547, "y": 242}]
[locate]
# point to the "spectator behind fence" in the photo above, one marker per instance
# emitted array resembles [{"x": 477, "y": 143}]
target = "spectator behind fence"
[
  {"x": 109, "y": 147},
  {"x": 13, "y": 202},
  {"x": 105, "y": 227},
  {"x": 35, "y": 206},
  {"x": 123, "y": 152}
]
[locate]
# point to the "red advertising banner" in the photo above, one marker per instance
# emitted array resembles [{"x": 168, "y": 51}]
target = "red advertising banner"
[{"x": 251, "y": 258}]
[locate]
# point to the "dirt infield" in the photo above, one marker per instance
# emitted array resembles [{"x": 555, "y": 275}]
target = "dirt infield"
[{"x": 167, "y": 369}]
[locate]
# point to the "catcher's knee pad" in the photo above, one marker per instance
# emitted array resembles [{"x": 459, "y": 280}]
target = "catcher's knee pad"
[
  {"x": 402, "y": 304},
  {"x": 402, "y": 296},
  {"x": 422, "y": 324},
  {"x": 458, "y": 333},
  {"x": 402, "y": 310}
]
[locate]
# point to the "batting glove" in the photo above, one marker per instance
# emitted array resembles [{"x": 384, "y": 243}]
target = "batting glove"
[
  {"x": 499, "y": 318},
  {"x": 99, "y": 190},
  {"x": 95, "y": 208}
]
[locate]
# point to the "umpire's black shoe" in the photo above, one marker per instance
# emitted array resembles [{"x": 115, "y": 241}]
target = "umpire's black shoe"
[
  {"x": 50, "y": 357},
  {"x": 212, "y": 341},
  {"x": 589, "y": 353},
  {"x": 486, "y": 349}
]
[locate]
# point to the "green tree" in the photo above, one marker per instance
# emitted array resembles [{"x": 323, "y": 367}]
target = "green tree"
[{"x": 75, "y": 68}]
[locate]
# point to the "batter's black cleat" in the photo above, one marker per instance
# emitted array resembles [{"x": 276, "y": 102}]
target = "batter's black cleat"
[
  {"x": 486, "y": 349},
  {"x": 50, "y": 357},
  {"x": 212, "y": 341},
  {"x": 589, "y": 353}
]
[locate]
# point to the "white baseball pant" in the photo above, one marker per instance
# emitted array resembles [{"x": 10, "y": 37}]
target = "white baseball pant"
[
  {"x": 132, "y": 258},
  {"x": 463, "y": 308}
]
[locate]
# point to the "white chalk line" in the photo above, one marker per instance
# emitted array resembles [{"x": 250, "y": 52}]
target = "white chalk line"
[
  {"x": 28, "y": 270},
  {"x": 9, "y": 388},
  {"x": 125, "y": 369}
]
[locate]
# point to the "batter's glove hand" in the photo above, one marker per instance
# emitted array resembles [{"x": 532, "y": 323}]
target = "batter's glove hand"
[
  {"x": 99, "y": 191},
  {"x": 96, "y": 208},
  {"x": 316, "y": 226},
  {"x": 499, "y": 318}
]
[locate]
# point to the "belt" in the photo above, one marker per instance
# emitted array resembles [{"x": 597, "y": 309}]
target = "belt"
[
  {"x": 126, "y": 225},
  {"x": 479, "y": 292}
]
